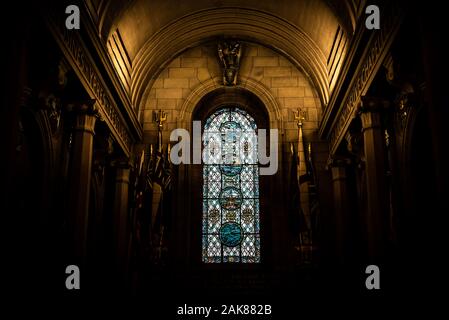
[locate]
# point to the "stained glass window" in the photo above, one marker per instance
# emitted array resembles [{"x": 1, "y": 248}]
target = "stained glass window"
[{"x": 230, "y": 230}]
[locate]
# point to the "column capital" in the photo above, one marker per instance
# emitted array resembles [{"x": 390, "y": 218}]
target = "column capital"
[
  {"x": 87, "y": 106},
  {"x": 369, "y": 110},
  {"x": 123, "y": 168},
  {"x": 86, "y": 114},
  {"x": 369, "y": 104},
  {"x": 337, "y": 161},
  {"x": 121, "y": 163},
  {"x": 370, "y": 120}
]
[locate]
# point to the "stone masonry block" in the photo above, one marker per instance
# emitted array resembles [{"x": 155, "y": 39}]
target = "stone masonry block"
[
  {"x": 265, "y": 61},
  {"x": 166, "y": 103},
  {"x": 193, "y": 62},
  {"x": 182, "y": 72},
  {"x": 277, "y": 71},
  {"x": 291, "y": 92},
  {"x": 278, "y": 82},
  {"x": 171, "y": 83},
  {"x": 168, "y": 93}
]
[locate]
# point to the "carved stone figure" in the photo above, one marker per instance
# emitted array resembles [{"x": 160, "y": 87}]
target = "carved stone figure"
[{"x": 229, "y": 53}]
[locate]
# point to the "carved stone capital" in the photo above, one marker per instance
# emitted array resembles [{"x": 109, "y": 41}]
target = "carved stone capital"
[
  {"x": 122, "y": 163},
  {"x": 370, "y": 120},
  {"x": 370, "y": 108},
  {"x": 86, "y": 114},
  {"x": 83, "y": 107},
  {"x": 337, "y": 165},
  {"x": 373, "y": 104},
  {"x": 123, "y": 167},
  {"x": 337, "y": 161}
]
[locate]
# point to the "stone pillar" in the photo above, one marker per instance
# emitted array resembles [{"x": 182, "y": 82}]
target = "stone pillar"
[
  {"x": 80, "y": 179},
  {"x": 377, "y": 191},
  {"x": 342, "y": 206},
  {"x": 121, "y": 213}
]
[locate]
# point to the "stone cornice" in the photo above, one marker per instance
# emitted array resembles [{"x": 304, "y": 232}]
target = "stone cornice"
[
  {"x": 81, "y": 61},
  {"x": 125, "y": 102},
  {"x": 347, "y": 98},
  {"x": 357, "y": 42}
]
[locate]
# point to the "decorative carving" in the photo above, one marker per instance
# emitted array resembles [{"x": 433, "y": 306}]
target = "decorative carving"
[
  {"x": 104, "y": 148},
  {"x": 160, "y": 117},
  {"x": 53, "y": 108},
  {"x": 26, "y": 97},
  {"x": 337, "y": 161},
  {"x": 63, "y": 68},
  {"x": 390, "y": 72},
  {"x": 403, "y": 102},
  {"x": 354, "y": 143},
  {"x": 380, "y": 42},
  {"x": 300, "y": 116},
  {"x": 229, "y": 54}
]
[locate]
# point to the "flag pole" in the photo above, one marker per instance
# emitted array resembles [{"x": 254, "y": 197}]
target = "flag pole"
[{"x": 302, "y": 174}]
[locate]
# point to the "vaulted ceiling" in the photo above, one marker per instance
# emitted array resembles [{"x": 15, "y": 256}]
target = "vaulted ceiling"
[{"x": 143, "y": 36}]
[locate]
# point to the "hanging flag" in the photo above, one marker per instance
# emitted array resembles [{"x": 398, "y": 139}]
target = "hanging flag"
[
  {"x": 303, "y": 178},
  {"x": 313, "y": 192},
  {"x": 296, "y": 217},
  {"x": 303, "y": 175}
]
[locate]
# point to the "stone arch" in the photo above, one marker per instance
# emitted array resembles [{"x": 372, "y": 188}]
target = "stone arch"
[
  {"x": 203, "y": 100},
  {"x": 247, "y": 84},
  {"x": 250, "y": 25}
]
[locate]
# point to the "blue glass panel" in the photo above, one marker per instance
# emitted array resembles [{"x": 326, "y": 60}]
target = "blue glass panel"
[
  {"x": 231, "y": 234},
  {"x": 231, "y": 170}
]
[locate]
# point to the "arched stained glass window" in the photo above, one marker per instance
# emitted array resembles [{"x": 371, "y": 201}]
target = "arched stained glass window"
[{"x": 230, "y": 230}]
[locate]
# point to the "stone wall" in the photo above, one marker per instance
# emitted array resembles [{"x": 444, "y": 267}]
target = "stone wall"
[{"x": 288, "y": 85}]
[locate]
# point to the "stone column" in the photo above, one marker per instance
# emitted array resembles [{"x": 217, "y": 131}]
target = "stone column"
[
  {"x": 377, "y": 196},
  {"x": 80, "y": 176},
  {"x": 121, "y": 213},
  {"x": 338, "y": 167}
]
